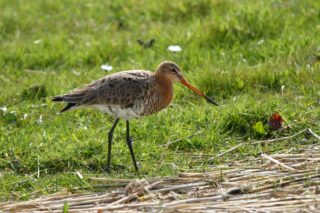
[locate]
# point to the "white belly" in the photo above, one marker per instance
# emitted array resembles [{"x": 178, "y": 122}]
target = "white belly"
[{"x": 125, "y": 113}]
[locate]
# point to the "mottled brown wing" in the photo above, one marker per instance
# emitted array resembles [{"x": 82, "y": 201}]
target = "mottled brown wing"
[{"x": 120, "y": 89}]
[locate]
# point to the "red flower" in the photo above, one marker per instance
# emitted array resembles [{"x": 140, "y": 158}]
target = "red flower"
[{"x": 275, "y": 121}]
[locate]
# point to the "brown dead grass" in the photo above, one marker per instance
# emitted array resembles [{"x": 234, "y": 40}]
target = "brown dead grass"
[{"x": 287, "y": 182}]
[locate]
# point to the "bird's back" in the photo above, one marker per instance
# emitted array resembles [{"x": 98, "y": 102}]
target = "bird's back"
[{"x": 117, "y": 94}]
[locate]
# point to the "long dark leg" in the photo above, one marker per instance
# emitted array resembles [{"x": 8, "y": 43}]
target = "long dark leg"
[
  {"x": 110, "y": 135},
  {"x": 129, "y": 142}
]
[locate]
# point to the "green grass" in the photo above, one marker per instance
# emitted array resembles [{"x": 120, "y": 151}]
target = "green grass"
[{"x": 254, "y": 57}]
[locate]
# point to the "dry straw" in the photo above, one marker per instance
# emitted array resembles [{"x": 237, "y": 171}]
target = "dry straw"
[{"x": 270, "y": 183}]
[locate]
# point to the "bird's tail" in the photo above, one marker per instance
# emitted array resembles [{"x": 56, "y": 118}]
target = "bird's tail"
[
  {"x": 57, "y": 98},
  {"x": 70, "y": 104},
  {"x": 73, "y": 99}
]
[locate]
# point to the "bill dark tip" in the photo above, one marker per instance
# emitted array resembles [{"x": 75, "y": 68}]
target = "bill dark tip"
[{"x": 211, "y": 101}]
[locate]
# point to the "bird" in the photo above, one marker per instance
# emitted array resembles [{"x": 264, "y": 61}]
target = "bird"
[{"x": 129, "y": 95}]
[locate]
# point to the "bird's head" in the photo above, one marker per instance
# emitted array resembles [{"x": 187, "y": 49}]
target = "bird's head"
[{"x": 172, "y": 72}]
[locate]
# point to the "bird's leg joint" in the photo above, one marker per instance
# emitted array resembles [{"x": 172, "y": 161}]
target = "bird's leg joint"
[{"x": 110, "y": 135}]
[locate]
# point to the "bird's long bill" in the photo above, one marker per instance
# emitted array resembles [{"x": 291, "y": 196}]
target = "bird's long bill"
[{"x": 187, "y": 84}]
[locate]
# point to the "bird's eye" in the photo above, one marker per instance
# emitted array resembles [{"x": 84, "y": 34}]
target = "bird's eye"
[{"x": 173, "y": 70}]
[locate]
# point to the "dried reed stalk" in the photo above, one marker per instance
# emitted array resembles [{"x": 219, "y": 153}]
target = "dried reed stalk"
[{"x": 289, "y": 182}]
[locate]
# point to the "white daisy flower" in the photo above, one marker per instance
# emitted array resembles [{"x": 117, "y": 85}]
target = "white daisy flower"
[
  {"x": 106, "y": 67},
  {"x": 174, "y": 48}
]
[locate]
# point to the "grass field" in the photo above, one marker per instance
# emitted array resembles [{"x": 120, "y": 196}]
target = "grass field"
[{"x": 255, "y": 57}]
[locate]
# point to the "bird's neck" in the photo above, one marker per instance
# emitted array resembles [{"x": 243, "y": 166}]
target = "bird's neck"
[{"x": 165, "y": 89}]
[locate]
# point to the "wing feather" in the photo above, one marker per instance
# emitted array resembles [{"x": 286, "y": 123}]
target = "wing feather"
[{"x": 119, "y": 90}]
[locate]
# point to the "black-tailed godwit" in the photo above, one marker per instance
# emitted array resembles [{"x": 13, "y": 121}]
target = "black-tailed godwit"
[{"x": 129, "y": 94}]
